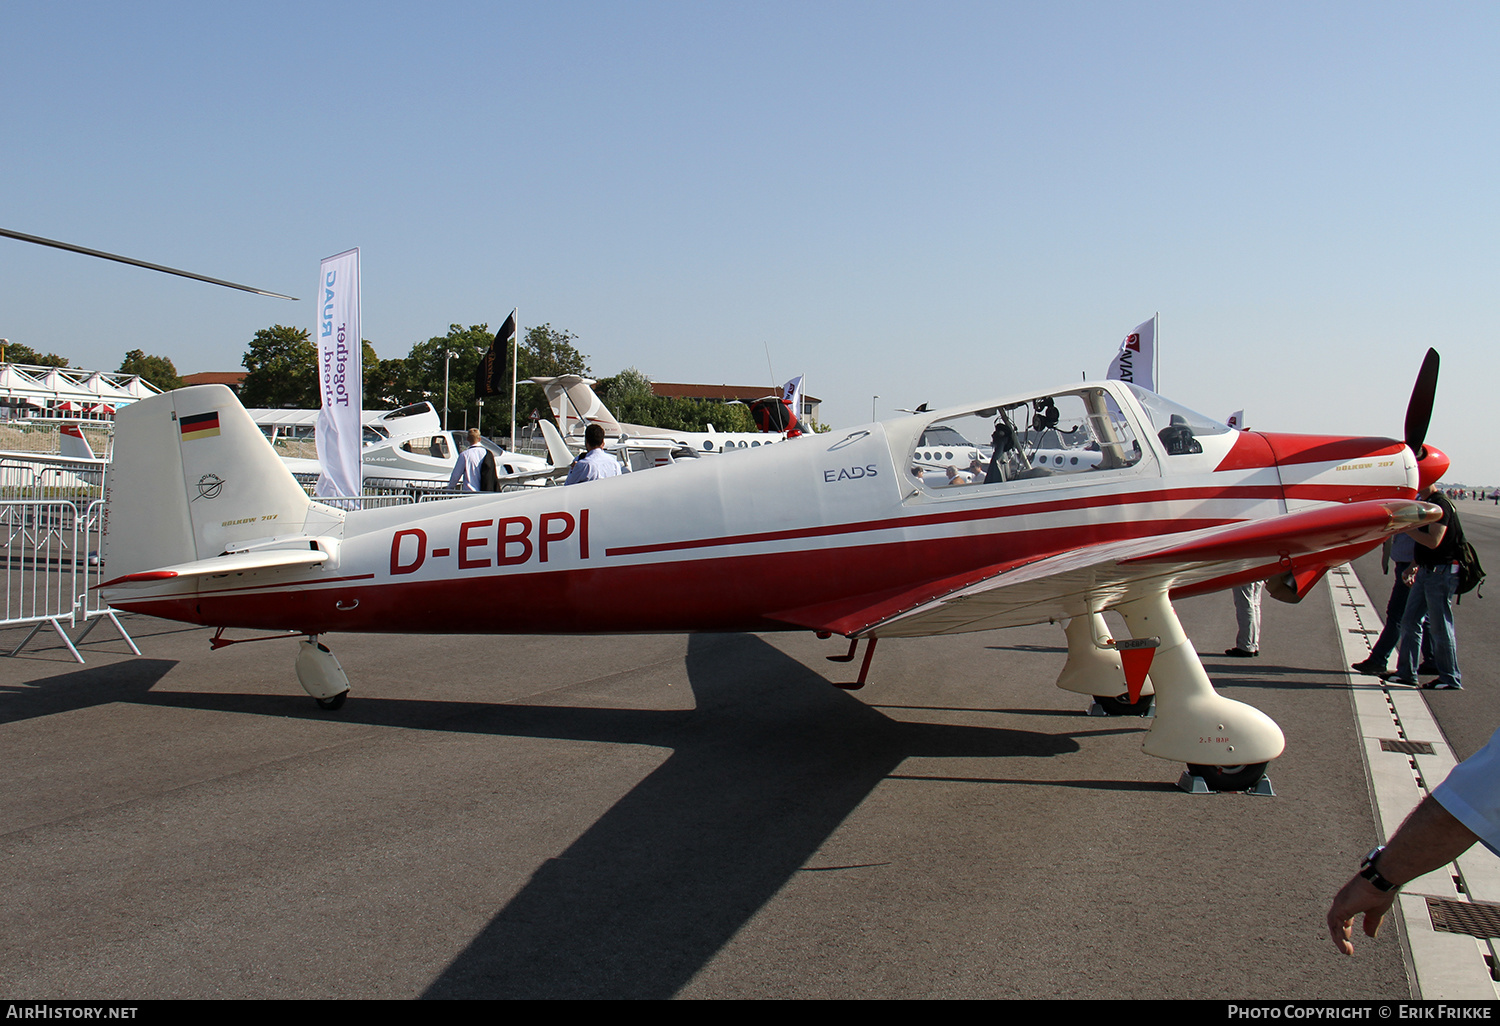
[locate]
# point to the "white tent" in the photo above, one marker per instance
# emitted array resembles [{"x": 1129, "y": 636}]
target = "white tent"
[{"x": 69, "y": 392}]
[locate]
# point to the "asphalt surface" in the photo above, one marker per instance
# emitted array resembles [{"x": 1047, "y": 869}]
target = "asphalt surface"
[{"x": 693, "y": 816}]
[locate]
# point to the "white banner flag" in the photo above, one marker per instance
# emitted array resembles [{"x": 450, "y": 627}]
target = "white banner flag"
[
  {"x": 1237, "y": 420},
  {"x": 340, "y": 380},
  {"x": 1137, "y": 357}
]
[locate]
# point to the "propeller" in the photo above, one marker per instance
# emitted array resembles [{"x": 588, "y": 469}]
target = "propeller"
[
  {"x": 22, "y": 237},
  {"x": 1419, "y": 409}
]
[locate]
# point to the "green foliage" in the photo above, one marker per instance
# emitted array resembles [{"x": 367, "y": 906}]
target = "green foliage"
[
  {"x": 158, "y": 370},
  {"x": 627, "y": 390},
  {"x": 545, "y": 352},
  {"x": 384, "y": 379},
  {"x": 422, "y": 372},
  {"x": 15, "y": 352},
  {"x": 283, "y": 369}
]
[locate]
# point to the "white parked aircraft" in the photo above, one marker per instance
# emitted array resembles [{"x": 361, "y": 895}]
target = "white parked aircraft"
[
  {"x": 576, "y": 406},
  {"x": 409, "y": 444},
  {"x": 207, "y": 526}
]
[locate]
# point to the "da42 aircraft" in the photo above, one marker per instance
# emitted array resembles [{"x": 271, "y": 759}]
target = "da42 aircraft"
[{"x": 205, "y": 525}]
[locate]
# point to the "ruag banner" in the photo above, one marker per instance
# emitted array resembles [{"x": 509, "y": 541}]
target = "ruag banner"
[
  {"x": 1137, "y": 357},
  {"x": 340, "y": 380}
]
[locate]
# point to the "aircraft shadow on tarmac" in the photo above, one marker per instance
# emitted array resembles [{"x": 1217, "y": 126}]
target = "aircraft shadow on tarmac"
[
  {"x": 765, "y": 767},
  {"x": 127, "y": 681},
  {"x": 762, "y": 772}
]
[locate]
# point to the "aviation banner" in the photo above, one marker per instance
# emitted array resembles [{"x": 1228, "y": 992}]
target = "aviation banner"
[
  {"x": 340, "y": 380},
  {"x": 1136, "y": 360}
]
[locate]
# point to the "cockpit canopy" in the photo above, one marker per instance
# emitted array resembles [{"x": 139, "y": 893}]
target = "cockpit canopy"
[{"x": 1044, "y": 436}]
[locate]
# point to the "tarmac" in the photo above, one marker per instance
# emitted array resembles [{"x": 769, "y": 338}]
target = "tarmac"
[{"x": 689, "y": 816}]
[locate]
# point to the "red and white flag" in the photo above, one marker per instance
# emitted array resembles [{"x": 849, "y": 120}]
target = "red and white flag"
[{"x": 1136, "y": 360}]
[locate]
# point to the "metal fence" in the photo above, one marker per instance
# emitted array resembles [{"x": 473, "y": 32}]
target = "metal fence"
[
  {"x": 52, "y": 568},
  {"x": 391, "y": 491}
]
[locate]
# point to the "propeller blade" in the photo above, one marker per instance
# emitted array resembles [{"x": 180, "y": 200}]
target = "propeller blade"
[
  {"x": 137, "y": 263},
  {"x": 1419, "y": 409}
]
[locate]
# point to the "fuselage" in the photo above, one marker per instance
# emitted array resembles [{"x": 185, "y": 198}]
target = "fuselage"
[{"x": 783, "y": 536}]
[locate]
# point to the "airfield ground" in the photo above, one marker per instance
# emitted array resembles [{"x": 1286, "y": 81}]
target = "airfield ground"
[{"x": 694, "y": 816}]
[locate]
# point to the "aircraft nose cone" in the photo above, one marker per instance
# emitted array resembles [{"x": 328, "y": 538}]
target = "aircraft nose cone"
[{"x": 1432, "y": 466}]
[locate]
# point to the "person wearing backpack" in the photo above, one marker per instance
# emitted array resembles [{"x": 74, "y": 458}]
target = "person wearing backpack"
[{"x": 1433, "y": 578}]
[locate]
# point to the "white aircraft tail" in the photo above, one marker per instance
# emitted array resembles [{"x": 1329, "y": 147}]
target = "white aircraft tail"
[
  {"x": 575, "y": 405},
  {"x": 72, "y": 444},
  {"x": 193, "y": 478},
  {"x": 557, "y": 450}
]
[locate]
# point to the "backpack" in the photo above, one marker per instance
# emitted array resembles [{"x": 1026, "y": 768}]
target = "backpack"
[{"x": 1470, "y": 573}]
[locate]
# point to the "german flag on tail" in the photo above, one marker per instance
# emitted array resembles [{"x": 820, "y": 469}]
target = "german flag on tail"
[{"x": 200, "y": 425}]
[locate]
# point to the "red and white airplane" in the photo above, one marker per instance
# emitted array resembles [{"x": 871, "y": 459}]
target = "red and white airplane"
[{"x": 205, "y": 525}]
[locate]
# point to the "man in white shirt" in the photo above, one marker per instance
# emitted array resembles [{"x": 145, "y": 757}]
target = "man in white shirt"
[{"x": 468, "y": 470}]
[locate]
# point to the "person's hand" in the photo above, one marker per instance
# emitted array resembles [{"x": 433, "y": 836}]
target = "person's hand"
[{"x": 1358, "y": 896}]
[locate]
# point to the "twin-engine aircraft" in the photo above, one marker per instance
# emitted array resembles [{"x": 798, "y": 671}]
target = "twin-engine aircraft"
[{"x": 205, "y": 525}]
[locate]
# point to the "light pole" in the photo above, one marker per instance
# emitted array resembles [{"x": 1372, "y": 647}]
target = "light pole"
[
  {"x": 872, "y": 406},
  {"x": 448, "y": 354}
]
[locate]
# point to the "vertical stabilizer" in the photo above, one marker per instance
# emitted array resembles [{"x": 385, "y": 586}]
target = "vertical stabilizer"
[
  {"x": 192, "y": 476},
  {"x": 72, "y": 444},
  {"x": 557, "y": 450},
  {"x": 575, "y": 405}
]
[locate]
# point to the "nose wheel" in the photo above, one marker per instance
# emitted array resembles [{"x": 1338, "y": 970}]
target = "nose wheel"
[{"x": 1249, "y": 777}]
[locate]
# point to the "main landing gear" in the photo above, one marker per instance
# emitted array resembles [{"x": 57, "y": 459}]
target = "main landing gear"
[
  {"x": 318, "y": 670},
  {"x": 1094, "y": 668},
  {"x": 1225, "y": 744},
  {"x": 320, "y": 674}
]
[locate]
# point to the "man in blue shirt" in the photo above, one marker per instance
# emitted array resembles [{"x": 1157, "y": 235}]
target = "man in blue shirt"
[{"x": 595, "y": 463}]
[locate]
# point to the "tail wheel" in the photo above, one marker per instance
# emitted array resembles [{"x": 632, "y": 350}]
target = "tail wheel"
[{"x": 1229, "y": 778}]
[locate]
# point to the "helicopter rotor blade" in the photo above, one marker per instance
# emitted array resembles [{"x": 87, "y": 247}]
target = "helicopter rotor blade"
[{"x": 137, "y": 263}]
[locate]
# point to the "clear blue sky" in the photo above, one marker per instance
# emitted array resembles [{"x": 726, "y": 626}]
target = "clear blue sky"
[{"x": 930, "y": 202}]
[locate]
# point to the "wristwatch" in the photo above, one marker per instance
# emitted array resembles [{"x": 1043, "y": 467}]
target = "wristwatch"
[{"x": 1369, "y": 872}]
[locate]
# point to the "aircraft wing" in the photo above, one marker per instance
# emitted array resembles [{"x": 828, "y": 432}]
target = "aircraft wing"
[{"x": 1067, "y": 584}]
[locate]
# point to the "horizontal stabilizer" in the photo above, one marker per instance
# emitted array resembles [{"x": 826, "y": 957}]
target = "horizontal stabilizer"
[{"x": 233, "y": 563}]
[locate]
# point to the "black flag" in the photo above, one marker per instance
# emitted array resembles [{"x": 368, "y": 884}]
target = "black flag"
[{"x": 493, "y": 372}]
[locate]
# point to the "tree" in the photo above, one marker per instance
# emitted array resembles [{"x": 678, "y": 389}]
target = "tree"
[
  {"x": 546, "y": 352},
  {"x": 423, "y": 372},
  {"x": 283, "y": 369},
  {"x": 158, "y": 370},
  {"x": 15, "y": 352},
  {"x": 385, "y": 380}
]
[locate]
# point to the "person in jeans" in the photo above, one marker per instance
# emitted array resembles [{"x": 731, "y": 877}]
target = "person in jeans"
[
  {"x": 1398, "y": 549},
  {"x": 1433, "y": 579}
]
